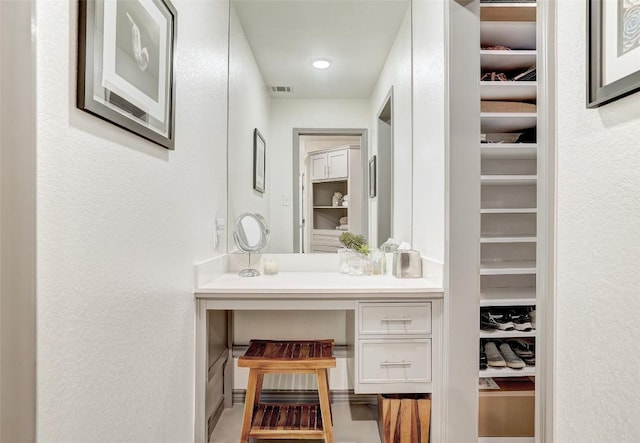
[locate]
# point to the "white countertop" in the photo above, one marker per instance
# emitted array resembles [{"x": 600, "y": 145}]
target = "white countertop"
[{"x": 317, "y": 283}]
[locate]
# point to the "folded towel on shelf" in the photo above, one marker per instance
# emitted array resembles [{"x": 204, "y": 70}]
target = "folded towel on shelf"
[
  {"x": 504, "y": 106},
  {"x": 344, "y": 220},
  {"x": 342, "y": 228}
]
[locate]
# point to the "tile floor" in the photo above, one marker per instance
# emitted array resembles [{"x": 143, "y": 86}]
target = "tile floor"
[{"x": 352, "y": 424}]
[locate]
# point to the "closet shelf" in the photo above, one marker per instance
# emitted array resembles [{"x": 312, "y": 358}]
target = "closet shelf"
[
  {"x": 497, "y": 60},
  {"x": 507, "y": 122},
  {"x": 507, "y": 297},
  {"x": 330, "y": 207},
  {"x": 509, "y": 211},
  {"x": 508, "y": 180},
  {"x": 508, "y": 239},
  {"x": 527, "y": 371},
  {"x": 509, "y": 90},
  {"x": 517, "y": 34},
  {"x": 509, "y": 150},
  {"x": 506, "y": 334},
  {"x": 506, "y": 440},
  {"x": 508, "y": 268}
]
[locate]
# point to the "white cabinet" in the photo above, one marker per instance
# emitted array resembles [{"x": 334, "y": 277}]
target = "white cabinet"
[
  {"x": 393, "y": 347},
  {"x": 330, "y": 165}
]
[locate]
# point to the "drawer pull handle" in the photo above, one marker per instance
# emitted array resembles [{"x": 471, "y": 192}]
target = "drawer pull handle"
[
  {"x": 396, "y": 363},
  {"x": 396, "y": 320}
]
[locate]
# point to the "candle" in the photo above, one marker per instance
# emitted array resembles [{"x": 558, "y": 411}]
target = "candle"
[{"x": 270, "y": 267}]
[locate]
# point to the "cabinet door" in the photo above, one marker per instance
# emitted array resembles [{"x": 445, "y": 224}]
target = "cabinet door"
[
  {"x": 318, "y": 166},
  {"x": 338, "y": 162}
]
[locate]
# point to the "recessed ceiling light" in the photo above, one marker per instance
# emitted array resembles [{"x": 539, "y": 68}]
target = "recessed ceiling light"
[{"x": 321, "y": 63}]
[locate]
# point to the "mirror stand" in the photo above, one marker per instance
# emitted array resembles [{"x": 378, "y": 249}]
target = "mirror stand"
[{"x": 249, "y": 271}]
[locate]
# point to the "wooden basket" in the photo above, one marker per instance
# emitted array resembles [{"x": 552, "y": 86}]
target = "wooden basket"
[{"x": 404, "y": 418}]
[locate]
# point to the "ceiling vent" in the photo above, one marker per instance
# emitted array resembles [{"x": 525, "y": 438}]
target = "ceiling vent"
[{"x": 285, "y": 89}]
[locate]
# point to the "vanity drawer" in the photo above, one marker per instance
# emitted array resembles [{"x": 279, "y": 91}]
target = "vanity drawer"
[
  {"x": 395, "y": 318},
  {"x": 393, "y": 361}
]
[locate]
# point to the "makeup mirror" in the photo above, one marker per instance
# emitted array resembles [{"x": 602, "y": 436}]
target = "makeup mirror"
[{"x": 251, "y": 235}]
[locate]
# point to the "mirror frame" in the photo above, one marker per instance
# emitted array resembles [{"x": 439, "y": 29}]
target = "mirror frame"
[{"x": 240, "y": 237}]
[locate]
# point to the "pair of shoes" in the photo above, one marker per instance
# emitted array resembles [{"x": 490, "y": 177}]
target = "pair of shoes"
[
  {"x": 505, "y": 319},
  {"x": 494, "y": 77},
  {"x": 495, "y": 320},
  {"x": 503, "y": 357}
]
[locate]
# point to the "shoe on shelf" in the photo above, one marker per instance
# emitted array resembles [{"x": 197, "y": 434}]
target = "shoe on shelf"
[
  {"x": 494, "y": 357},
  {"x": 521, "y": 320},
  {"x": 530, "y": 361},
  {"x": 495, "y": 320},
  {"x": 532, "y": 316},
  {"x": 483, "y": 359},
  {"x": 511, "y": 359},
  {"x": 523, "y": 348}
]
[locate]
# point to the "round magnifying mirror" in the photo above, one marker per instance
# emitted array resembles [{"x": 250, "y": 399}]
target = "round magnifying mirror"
[{"x": 251, "y": 235}]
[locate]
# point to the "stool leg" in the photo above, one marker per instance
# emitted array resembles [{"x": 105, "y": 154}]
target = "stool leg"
[
  {"x": 259, "y": 380},
  {"x": 249, "y": 402},
  {"x": 325, "y": 404}
]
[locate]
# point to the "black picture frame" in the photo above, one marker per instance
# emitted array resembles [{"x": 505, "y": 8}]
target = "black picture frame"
[
  {"x": 598, "y": 93},
  {"x": 125, "y": 72},
  {"x": 259, "y": 161},
  {"x": 373, "y": 177}
]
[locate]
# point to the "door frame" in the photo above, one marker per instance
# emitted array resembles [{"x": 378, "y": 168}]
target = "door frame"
[{"x": 364, "y": 165}]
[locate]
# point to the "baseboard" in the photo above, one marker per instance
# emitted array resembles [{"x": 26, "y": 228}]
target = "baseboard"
[{"x": 307, "y": 397}]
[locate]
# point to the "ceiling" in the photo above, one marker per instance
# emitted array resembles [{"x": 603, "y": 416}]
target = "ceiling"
[{"x": 287, "y": 35}]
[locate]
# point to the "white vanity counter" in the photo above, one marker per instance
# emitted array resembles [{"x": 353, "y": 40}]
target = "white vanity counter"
[{"x": 318, "y": 283}]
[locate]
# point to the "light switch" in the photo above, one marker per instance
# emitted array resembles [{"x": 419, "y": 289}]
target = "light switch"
[{"x": 286, "y": 200}]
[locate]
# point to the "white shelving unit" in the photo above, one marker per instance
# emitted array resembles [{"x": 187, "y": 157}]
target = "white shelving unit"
[
  {"x": 528, "y": 371},
  {"x": 509, "y": 177}
]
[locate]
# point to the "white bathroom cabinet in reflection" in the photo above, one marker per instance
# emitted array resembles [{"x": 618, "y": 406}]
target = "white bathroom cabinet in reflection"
[{"x": 332, "y": 171}]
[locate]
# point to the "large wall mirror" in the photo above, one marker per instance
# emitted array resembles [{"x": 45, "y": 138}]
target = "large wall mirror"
[{"x": 328, "y": 85}]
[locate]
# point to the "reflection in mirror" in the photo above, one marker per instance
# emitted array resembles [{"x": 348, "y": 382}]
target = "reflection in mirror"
[
  {"x": 321, "y": 126},
  {"x": 250, "y": 235}
]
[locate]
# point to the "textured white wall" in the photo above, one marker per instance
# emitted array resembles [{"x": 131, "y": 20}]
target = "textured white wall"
[
  {"x": 429, "y": 89},
  {"x": 287, "y": 114},
  {"x": 396, "y": 73},
  {"x": 249, "y": 103},
  {"x": 598, "y": 248},
  {"x": 120, "y": 224}
]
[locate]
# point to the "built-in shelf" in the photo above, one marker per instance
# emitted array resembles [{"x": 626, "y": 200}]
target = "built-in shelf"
[
  {"x": 508, "y": 267},
  {"x": 508, "y": 239},
  {"x": 509, "y": 150},
  {"x": 507, "y": 297},
  {"x": 507, "y": 334},
  {"x": 508, "y": 211},
  {"x": 506, "y": 440},
  {"x": 499, "y": 122},
  {"x": 527, "y": 371},
  {"x": 330, "y": 207},
  {"x": 508, "y": 180},
  {"x": 519, "y": 34},
  {"x": 509, "y": 90},
  {"x": 497, "y": 60}
]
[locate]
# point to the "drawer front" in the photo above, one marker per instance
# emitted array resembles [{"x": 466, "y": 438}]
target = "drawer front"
[
  {"x": 395, "y": 318},
  {"x": 393, "y": 361}
]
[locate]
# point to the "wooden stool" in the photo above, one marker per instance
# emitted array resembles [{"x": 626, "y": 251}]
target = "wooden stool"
[{"x": 287, "y": 421}]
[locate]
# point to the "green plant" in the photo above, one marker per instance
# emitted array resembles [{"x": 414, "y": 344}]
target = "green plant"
[{"x": 356, "y": 242}]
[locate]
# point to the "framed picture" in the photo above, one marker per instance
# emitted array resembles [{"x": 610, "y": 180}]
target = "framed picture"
[
  {"x": 373, "y": 177},
  {"x": 125, "y": 65},
  {"x": 613, "y": 33},
  {"x": 259, "y": 161}
]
